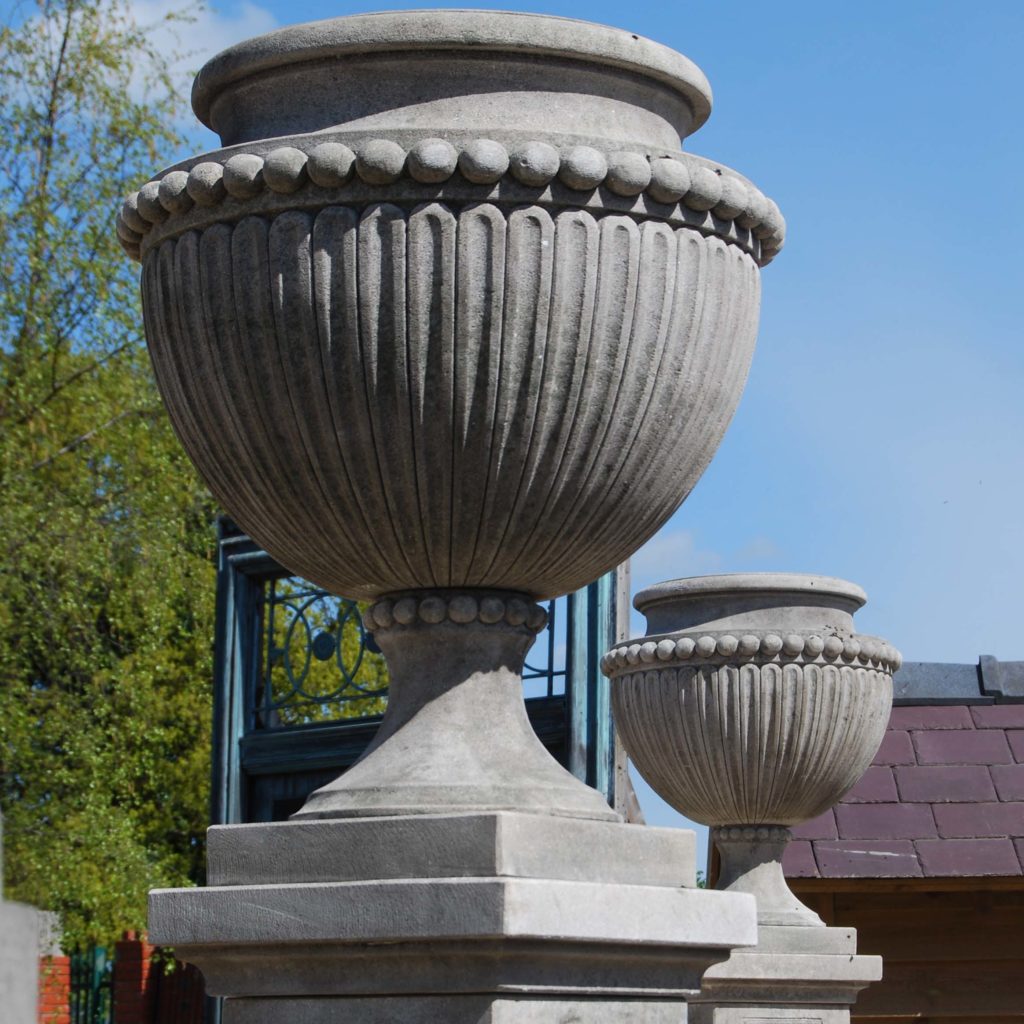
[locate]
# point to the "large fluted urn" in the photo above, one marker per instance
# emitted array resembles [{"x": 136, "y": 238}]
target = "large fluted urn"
[
  {"x": 451, "y": 324},
  {"x": 752, "y": 705}
]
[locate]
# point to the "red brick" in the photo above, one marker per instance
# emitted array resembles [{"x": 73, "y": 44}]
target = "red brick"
[
  {"x": 885, "y": 821},
  {"x": 822, "y": 827},
  {"x": 54, "y": 990},
  {"x": 798, "y": 860},
  {"x": 931, "y": 717},
  {"x": 975, "y": 820},
  {"x": 875, "y": 787},
  {"x": 999, "y": 716},
  {"x": 867, "y": 859},
  {"x": 896, "y": 748},
  {"x": 982, "y": 746},
  {"x": 1017, "y": 745},
  {"x": 968, "y": 857},
  {"x": 1009, "y": 780},
  {"x": 944, "y": 784}
]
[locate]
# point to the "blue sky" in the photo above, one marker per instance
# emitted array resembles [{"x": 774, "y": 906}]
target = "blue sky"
[{"x": 880, "y": 437}]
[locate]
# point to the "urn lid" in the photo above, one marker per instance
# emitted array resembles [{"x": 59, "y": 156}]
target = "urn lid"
[
  {"x": 298, "y": 66},
  {"x": 769, "y": 600}
]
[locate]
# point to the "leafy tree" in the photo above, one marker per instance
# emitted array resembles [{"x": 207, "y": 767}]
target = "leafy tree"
[{"x": 106, "y": 577}]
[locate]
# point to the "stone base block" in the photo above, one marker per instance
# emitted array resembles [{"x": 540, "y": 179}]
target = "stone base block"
[
  {"x": 795, "y": 975},
  {"x": 501, "y": 844},
  {"x": 493, "y": 917},
  {"x": 468, "y": 1009}
]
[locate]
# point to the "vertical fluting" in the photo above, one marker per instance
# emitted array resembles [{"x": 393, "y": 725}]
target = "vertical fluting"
[{"x": 396, "y": 398}]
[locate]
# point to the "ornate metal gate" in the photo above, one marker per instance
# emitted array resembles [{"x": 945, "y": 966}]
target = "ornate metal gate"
[{"x": 300, "y": 687}]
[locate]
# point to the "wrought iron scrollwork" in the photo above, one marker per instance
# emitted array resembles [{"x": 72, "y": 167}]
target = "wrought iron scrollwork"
[{"x": 320, "y": 664}]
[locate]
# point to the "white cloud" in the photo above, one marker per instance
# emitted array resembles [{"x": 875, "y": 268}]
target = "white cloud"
[
  {"x": 757, "y": 549},
  {"x": 198, "y": 36},
  {"x": 671, "y": 555}
]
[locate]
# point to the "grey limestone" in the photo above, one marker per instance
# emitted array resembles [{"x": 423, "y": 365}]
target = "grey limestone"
[
  {"x": 471, "y": 1009},
  {"x": 532, "y": 906},
  {"x": 500, "y": 845},
  {"x": 433, "y": 452},
  {"x": 794, "y": 974},
  {"x": 451, "y": 324},
  {"x": 774, "y": 651},
  {"x": 19, "y": 962},
  {"x": 453, "y": 676},
  {"x": 752, "y": 705}
]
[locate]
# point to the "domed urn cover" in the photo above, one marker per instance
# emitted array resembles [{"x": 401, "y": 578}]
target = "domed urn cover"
[{"x": 450, "y": 313}]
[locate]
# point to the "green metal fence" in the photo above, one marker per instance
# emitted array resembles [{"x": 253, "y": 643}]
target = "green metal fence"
[{"x": 92, "y": 1000}]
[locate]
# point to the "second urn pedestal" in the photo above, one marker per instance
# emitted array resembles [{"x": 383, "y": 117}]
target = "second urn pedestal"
[{"x": 752, "y": 705}]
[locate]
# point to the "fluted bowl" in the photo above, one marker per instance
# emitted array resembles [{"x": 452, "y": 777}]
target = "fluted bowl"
[
  {"x": 751, "y": 700},
  {"x": 430, "y": 337}
]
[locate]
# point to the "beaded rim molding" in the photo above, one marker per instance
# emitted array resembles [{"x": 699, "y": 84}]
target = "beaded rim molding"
[
  {"x": 751, "y": 834},
  {"x": 461, "y": 609},
  {"x": 697, "y": 184},
  {"x": 725, "y": 648}
]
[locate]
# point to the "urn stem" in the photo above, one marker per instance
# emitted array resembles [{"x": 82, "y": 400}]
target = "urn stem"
[
  {"x": 752, "y": 863},
  {"x": 456, "y": 737}
]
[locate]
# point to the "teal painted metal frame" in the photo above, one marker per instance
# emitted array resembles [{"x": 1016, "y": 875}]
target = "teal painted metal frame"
[{"x": 580, "y": 721}]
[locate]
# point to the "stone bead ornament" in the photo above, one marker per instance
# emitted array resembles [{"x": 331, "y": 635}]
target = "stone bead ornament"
[
  {"x": 865, "y": 651},
  {"x": 455, "y": 609},
  {"x": 730, "y": 207},
  {"x": 760, "y": 710}
]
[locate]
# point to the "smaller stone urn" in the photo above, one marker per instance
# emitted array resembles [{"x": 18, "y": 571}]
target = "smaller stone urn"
[{"x": 751, "y": 706}]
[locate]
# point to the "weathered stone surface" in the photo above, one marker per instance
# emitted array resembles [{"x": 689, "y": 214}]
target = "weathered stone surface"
[
  {"x": 795, "y": 974},
  {"x": 728, "y": 697},
  {"x": 428, "y": 449},
  {"x": 19, "y": 962},
  {"x": 489, "y": 72},
  {"x": 471, "y": 1009},
  {"x": 377, "y": 258},
  {"x": 548, "y": 910},
  {"x": 452, "y": 936},
  {"x": 751, "y": 861},
  {"x": 451, "y": 323},
  {"x": 440, "y": 747},
  {"x": 447, "y": 846},
  {"x": 750, "y": 705}
]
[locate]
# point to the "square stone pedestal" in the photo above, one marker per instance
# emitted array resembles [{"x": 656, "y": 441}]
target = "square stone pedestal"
[
  {"x": 490, "y": 918},
  {"x": 795, "y": 975}
]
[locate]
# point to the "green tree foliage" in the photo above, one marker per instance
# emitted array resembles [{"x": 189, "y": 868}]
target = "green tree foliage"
[{"x": 106, "y": 579}]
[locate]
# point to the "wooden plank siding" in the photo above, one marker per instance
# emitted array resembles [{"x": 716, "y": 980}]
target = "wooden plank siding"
[{"x": 950, "y": 955}]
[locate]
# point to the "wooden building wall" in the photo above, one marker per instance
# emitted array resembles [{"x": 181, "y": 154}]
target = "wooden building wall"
[{"x": 953, "y": 955}]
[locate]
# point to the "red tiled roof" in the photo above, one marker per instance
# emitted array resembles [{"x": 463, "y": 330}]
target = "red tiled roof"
[{"x": 944, "y": 798}]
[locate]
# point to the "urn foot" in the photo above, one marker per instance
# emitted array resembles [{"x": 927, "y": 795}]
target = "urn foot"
[
  {"x": 752, "y": 862},
  {"x": 456, "y": 736}
]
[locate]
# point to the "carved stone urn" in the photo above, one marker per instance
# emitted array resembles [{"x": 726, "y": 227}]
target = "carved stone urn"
[
  {"x": 751, "y": 705},
  {"x": 451, "y": 324}
]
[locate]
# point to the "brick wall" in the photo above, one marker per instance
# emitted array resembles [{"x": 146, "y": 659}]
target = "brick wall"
[
  {"x": 55, "y": 990},
  {"x": 133, "y": 993}
]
